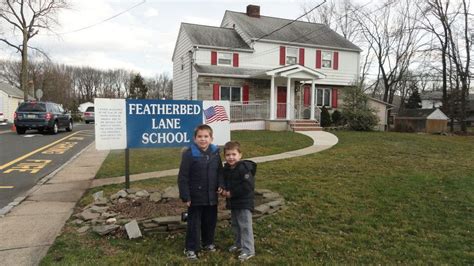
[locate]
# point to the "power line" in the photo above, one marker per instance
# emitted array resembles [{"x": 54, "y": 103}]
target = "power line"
[
  {"x": 100, "y": 22},
  {"x": 291, "y": 22}
]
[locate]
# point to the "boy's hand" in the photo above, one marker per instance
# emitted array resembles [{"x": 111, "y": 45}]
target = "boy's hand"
[
  {"x": 188, "y": 203},
  {"x": 220, "y": 190},
  {"x": 226, "y": 193}
]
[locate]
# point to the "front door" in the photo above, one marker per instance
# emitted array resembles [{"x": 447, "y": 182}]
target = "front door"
[{"x": 281, "y": 102}]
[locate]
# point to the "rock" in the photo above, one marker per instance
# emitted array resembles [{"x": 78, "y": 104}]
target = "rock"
[
  {"x": 101, "y": 202},
  {"x": 98, "y": 209},
  {"x": 276, "y": 203},
  {"x": 88, "y": 215},
  {"x": 133, "y": 231},
  {"x": 142, "y": 194},
  {"x": 271, "y": 195},
  {"x": 172, "y": 227},
  {"x": 108, "y": 214},
  {"x": 105, "y": 229},
  {"x": 132, "y": 196},
  {"x": 120, "y": 201},
  {"x": 171, "y": 192},
  {"x": 98, "y": 195},
  {"x": 83, "y": 229},
  {"x": 132, "y": 190},
  {"x": 262, "y": 209},
  {"x": 168, "y": 220},
  {"x": 261, "y": 191},
  {"x": 78, "y": 222},
  {"x": 155, "y": 196},
  {"x": 111, "y": 221}
]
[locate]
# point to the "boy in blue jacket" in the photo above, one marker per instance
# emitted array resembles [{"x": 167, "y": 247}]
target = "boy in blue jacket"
[
  {"x": 199, "y": 181},
  {"x": 239, "y": 186}
]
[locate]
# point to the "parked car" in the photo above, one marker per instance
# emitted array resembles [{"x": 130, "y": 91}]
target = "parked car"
[
  {"x": 43, "y": 116},
  {"x": 88, "y": 115},
  {"x": 2, "y": 117}
]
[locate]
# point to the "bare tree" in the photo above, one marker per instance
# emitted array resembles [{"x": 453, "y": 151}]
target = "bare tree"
[{"x": 28, "y": 17}]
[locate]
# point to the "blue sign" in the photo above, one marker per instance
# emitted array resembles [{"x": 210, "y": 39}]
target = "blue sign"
[{"x": 162, "y": 123}]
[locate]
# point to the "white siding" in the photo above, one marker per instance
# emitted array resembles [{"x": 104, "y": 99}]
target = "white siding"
[
  {"x": 381, "y": 112},
  {"x": 8, "y": 105},
  {"x": 181, "y": 76},
  {"x": 429, "y": 104}
]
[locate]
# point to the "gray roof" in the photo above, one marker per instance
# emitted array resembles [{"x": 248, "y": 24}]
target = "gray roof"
[
  {"x": 416, "y": 113},
  {"x": 214, "y": 36},
  {"x": 297, "y": 32},
  {"x": 10, "y": 90},
  {"x": 223, "y": 70}
]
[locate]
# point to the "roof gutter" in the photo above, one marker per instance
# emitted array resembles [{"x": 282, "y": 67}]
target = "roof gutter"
[
  {"x": 306, "y": 45},
  {"x": 224, "y": 75},
  {"x": 223, "y": 48}
]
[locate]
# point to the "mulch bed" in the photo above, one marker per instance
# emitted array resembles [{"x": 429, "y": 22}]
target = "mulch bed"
[{"x": 143, "y": 208}]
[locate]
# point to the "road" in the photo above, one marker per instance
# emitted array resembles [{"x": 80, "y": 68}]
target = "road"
[{"x": 25, "y": 159}]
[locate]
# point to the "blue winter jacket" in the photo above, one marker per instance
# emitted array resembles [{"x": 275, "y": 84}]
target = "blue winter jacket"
[{"x": 200, "y": 174}]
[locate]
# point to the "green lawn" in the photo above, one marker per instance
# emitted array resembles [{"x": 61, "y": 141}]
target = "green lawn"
[
  {"x": 254, "y": 143},
  {"x": 378, "y": 198}
]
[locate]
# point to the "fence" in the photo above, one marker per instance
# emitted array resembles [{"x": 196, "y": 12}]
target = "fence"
[{"x": 247, "y": 111}]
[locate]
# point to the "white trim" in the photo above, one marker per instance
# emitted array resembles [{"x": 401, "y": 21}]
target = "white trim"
[
  {"x": 230, "y": 93},
  {"x": 225, "y": 53},
  {"x": 213, "y": 48},
  {"x": 286, "y": 55},
  {"x": 332, "y": 59},
  {"x": 224, "y": 75}
]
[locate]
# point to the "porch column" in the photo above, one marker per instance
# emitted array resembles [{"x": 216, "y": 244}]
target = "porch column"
[
  {"x": 288, "y": 85},
  {"x": 313, "y": 95},
  {"x": 272, "y": 98}
]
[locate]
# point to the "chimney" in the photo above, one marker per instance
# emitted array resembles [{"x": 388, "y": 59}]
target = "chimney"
[{"x": 253, "y": 11}]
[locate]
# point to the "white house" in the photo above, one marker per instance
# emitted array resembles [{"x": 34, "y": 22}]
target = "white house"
[
  {"x": 10, "y": 98},
  {"x": 268, "y": 70}
]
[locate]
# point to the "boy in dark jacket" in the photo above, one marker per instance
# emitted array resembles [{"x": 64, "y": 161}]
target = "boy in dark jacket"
[
  {"x": 199, "y": 180},
  {"x": 239, "y": 186}
]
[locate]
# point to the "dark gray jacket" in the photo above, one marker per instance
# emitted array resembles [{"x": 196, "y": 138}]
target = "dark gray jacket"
[
  {"x": 240, "y": 181},
  {"x": 200, "y": 174}
]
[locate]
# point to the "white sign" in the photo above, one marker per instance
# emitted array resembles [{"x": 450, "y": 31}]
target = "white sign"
[{"x": 110, "y": 124}]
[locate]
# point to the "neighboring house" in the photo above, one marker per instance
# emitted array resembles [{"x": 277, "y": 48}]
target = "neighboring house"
[
  {"x": 83, "y": 106},
  {"x": 10, "y": 98},
  {"x": 267, "y": 70},
  {"x": 421, "y": 120},
  {"x": 431, "y": 99}
]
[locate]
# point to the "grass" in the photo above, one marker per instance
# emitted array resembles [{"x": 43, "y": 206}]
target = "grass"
[
  {"x": 254, "y": 143},
  {"x": 378, "y": 198}
]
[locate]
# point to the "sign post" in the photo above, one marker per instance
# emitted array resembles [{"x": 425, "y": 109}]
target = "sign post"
[{"x": 136, "y": 123}]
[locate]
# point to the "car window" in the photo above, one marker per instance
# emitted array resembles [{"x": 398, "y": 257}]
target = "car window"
[
  {"x": 60, "y": 108},
  {"x": 32, "y": 107},
  {"x": 90, "y": 109}
]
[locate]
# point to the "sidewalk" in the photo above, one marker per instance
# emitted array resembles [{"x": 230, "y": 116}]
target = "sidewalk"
[{"x": 27, "y": 232}]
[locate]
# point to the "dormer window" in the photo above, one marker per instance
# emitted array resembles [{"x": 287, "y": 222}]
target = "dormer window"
[
  {"x": 224, "y": 59},
  {"x": 327, "y": 59},
  {"x": 291, "y": 55}
]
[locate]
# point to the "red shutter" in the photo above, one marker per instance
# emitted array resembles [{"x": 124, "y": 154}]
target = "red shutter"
[
  {"x": 302, "y": 56},
  {"x": 236, "y": 60},
  {"x": 213, "y": 58},
  {"x": 245, "y": 96},
  {"x": 336, "y": 61},
  {"x": 318, "y": 58},
  {"x": 307, "y": 96},
  {"x": 282, "y": 55},
  {"x": 334, "y": 98},
  {"x": 215, "y": 92}
]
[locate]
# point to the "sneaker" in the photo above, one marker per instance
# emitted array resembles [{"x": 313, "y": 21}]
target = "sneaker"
[
  {"x": 190, "y": 255},
  {"x": 234, "y": 248},
  {"x": 245, "y": 256},
  {"x": 210, "y": 248}
]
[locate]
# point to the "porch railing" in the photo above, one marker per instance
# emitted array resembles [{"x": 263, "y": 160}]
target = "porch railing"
[{"x": 247, "y": 111}]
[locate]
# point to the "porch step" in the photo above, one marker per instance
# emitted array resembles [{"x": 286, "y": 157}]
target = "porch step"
[{"x": 305, "y": 125}]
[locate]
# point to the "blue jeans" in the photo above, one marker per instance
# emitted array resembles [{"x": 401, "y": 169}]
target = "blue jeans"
[
  {"x": 202, "y": 222},
  {"x": 243, "y": 230}
]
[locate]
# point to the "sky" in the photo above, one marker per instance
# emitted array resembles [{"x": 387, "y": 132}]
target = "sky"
[{"x": 142, "y": 37}]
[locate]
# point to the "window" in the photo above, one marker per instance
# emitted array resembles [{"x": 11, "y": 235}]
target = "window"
[
  {"x": 233, "y": 94},
  {"x": 327, "y": 59},
  {"x": 291, "y": 55},
  {"x": 224, "y": 59},
  {"x": 323, "y": 97}
]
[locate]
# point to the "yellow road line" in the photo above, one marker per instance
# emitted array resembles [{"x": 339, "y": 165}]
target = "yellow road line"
[
  {"x": 6, "y": 187},
  {"x": 35, "y": 151}
]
